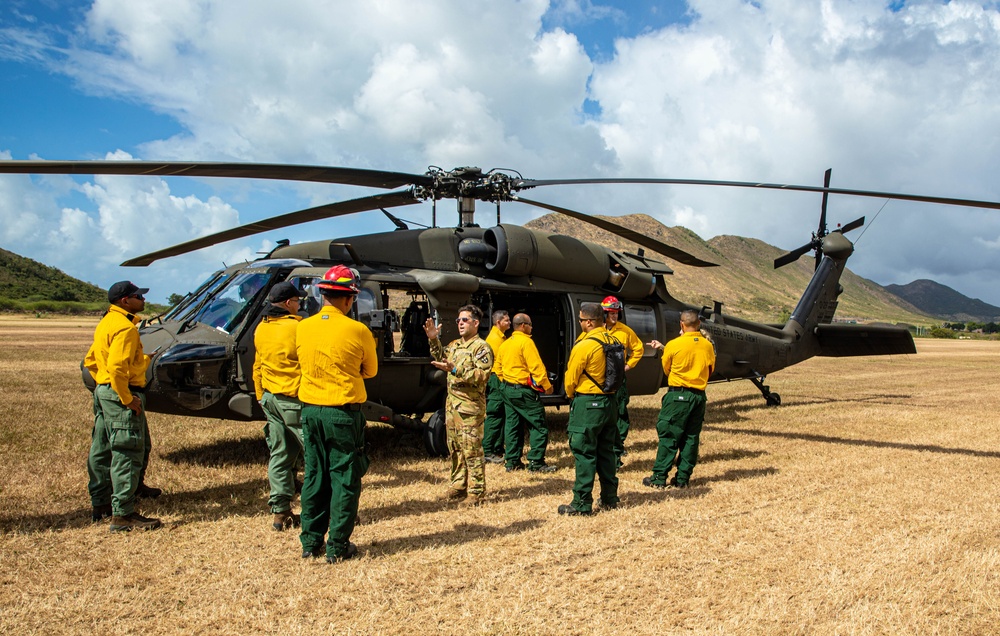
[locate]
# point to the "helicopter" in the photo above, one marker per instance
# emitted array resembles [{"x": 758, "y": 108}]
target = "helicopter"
[{"x": 202, "y": 349}]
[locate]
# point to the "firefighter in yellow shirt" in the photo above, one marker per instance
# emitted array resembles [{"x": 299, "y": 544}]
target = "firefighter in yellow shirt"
[
  {"x": 593, "y": 414},
  {"x": 493, "y": 425},
  {"x": 119, "y": 449},
  {"x": 276, "y": 381},
  {"x": 523, "y": 378},
  {"x": 633, "y": 353},
  {"x": 336, "y": 354},
  {"x": 688, "y": 362}
]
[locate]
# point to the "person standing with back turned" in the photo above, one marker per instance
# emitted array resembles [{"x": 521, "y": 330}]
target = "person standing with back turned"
[
  {"x": 119, "y": 448},
  {"x": 688, "y": 362},
  {"x": 276, "y": 379},
  {"x": 336, "y": 354}
]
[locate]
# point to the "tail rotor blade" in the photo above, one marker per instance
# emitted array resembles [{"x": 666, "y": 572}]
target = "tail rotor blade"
[
  {"x": 792, "y": 256},
  {"x": 853, "y": 225}
]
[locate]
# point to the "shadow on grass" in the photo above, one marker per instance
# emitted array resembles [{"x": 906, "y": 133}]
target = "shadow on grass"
[
  {"x": 245, "y": 451},
  {"x": 698, "y": 487},
  {"x": 461, "y": 533},
  {"x": 830, "y": 439},
  {"x": 230, "y": 500}
]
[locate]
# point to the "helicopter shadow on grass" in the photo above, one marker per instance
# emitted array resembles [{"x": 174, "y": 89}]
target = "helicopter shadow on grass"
[
  {"x": 461, "y": 533},
  {"x": 698, "y": 487},
  {"x": 539, "y": 486}
]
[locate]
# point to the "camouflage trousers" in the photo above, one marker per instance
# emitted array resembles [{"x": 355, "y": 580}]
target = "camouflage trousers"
[{"x": 465, "y": 445}]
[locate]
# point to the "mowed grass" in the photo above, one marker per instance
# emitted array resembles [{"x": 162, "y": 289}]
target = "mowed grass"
[{"x": 866, "y": 504}]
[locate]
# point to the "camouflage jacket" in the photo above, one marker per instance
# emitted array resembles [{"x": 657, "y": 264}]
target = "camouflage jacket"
[{"x": 473, "y": 361}]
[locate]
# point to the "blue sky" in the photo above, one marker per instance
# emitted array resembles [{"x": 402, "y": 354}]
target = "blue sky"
[{"x": 893, "y": 96}]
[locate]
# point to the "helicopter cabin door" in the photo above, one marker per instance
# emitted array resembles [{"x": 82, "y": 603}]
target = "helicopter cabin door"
[{"x": 647, "y": 376}]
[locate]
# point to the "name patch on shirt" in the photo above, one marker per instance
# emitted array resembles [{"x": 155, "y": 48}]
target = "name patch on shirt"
[{"x": 324, "y": 317}]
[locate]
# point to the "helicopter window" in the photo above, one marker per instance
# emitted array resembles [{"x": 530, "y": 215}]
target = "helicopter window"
[
  {"x": 365, "y": 305},
  {"x": 228, "y": 307},
  {"x": 184, "y": 310},
  {"x": 642, "y": 320}
]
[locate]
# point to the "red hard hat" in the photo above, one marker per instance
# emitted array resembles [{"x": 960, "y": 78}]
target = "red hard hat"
[
  {"x": 339, "y": 278},
  {"x": 611, "y": 304}
]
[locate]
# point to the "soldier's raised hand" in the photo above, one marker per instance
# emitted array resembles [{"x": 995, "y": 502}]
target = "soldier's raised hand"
[{"x": 431, "y": 329}]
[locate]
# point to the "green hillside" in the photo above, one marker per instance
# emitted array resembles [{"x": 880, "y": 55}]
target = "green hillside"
[
  {"x": 745, "y": 281},
  {"x": 24, "y": 279}
]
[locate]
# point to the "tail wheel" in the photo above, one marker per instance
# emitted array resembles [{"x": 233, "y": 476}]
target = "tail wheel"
[{"x": 436, "y": 435}]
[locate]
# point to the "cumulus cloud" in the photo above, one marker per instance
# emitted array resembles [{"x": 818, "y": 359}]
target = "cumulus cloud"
[{"x": 893, "y": 96}]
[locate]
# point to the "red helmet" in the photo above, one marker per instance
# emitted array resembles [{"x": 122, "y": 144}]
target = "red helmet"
[
  {"x": 611, "y": 304},
  {"x": 339, "y": 279}
]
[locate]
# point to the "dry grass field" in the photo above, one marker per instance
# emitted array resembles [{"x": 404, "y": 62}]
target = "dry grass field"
[{"x": 866, "y": 504}]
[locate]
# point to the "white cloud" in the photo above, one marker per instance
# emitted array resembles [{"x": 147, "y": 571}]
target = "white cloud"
[{"x": 775, "y": 90}]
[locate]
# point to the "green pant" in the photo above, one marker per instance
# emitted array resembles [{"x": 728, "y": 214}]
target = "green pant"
[
  {"x": 622, "y": 421},
  {"x": 678, "y": 427},
  {"x": 493, "y": 425},
  {"x": 283, "y": 433},
  {"x": 119, "y": 451},
  {"x": 524, "y": 408},
  {"x": 465, "y": 446},
  {"x": 334, "y": 442},
  {"x": 592, "y": 434}
]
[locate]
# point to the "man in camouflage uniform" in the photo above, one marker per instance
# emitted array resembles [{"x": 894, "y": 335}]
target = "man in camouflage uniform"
[{"x": 468, "y": 361}]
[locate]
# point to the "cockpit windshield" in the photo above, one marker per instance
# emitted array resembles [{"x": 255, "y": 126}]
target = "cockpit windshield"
[{"x": 228, "y": 304}]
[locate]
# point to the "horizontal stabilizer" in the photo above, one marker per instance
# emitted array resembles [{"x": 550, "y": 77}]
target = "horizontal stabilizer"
[{"x": 863, "y": 340}]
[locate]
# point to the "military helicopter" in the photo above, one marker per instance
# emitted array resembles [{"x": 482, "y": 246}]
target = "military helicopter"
[{"x": 202, "y": 348}]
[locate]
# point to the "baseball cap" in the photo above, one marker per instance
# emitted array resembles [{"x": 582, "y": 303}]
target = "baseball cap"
[
  {"x": 282, "y": 292},
  {"x": 124, "y": 288}
]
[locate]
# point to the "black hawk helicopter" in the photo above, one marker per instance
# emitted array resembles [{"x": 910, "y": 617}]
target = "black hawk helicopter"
[{"x": 202, "y": 349}]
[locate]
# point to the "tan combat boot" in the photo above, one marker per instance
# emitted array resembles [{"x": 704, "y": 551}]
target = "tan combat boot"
[{"x": 284, "y": 520}]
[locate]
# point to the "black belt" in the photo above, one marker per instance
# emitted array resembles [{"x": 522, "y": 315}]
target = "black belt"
[
  {"x": 131, "y": 388},
  {"x": 523, "y": 386},
  {"x": 349, "y": 407},
  {"x": 671, "y": 389}
]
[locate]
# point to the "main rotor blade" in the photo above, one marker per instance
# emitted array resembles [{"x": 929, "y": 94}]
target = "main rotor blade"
[
  {"x": 792, "y": 256},
  {"x": 327, "y": 211},
  {"x": 281, "y": 172},
  {"x": 649, "y": 243},
  {"x": 968, "y": 203}
]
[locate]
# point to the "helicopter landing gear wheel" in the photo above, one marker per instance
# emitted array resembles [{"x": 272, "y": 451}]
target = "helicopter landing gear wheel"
[
  {"x": 436, "y": 435},
  {"x": 771, "y": 399}
]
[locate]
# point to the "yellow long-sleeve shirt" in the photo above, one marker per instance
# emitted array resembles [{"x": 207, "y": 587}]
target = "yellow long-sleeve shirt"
[
  {"x": 276, "y": 363},
  {"x": 688, "y": 360},
  {"x": 633, "y": 345},
  {"x": 116, "y": 356},
  {"x": 520, "y": 362},
  {"x": 336, "y": 354},
  {"x": 494, "y": 339},
  {"x": 587, "y": 355},
  {"x": 624, "y": 334}
]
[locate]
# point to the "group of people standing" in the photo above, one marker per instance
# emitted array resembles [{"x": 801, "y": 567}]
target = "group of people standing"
[
  {"x": 494, "y": 389},
  {"x": 309, "y": 378}
]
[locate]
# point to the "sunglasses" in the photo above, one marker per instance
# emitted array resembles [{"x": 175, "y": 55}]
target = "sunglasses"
[
  {"x": 459, "y": 321},
  {"x": 138, "y": 296}
]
